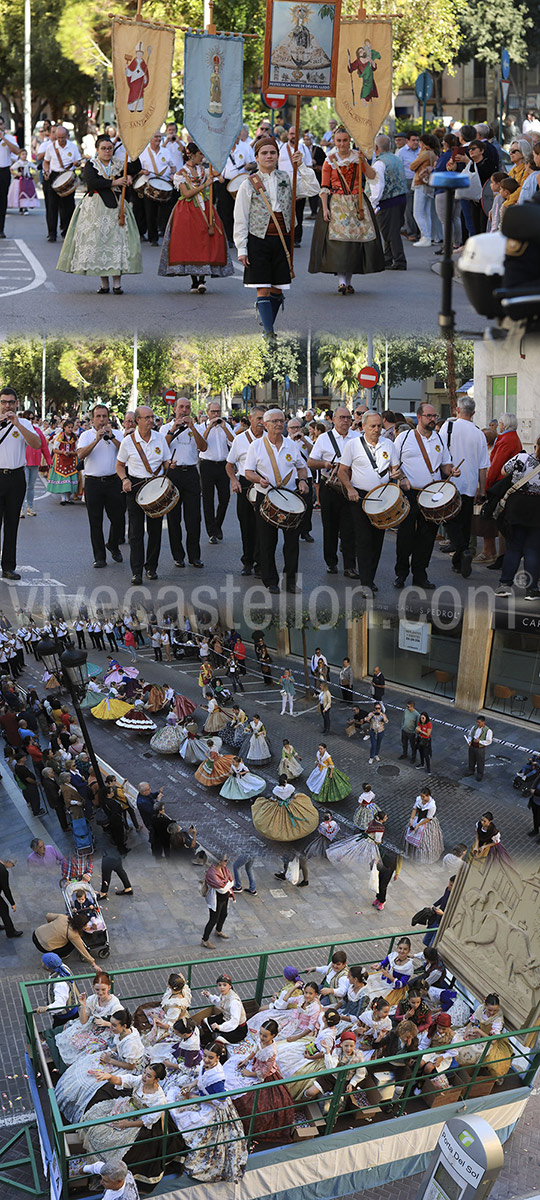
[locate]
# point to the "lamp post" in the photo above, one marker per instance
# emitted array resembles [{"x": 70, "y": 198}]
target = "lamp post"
[{"x": 71, "y": 665}]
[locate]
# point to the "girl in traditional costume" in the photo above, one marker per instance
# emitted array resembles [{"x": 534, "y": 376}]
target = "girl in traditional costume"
[
  {"x": 256, "y": 747},
  {"x": 290, "y": 763},
  {"x": 327, "y": 831},
  {"x": 286, "y": 816},
  {"x": 241, "y": 784},
  {"x": 215, "y": 768},
  {"x": 346, "y": 239},
  {"x": 63, "y": 478},
  {"x": 325, "y": 780},
  {"x": 423, "y": 836},
  {"x": 194, "y": 231}
]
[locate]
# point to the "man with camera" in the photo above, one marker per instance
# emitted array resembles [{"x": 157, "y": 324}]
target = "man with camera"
[
  {"x": 185, "y": 441},
  {"x": 15, "y": 435},
  {"x": 97, "y": 449}
]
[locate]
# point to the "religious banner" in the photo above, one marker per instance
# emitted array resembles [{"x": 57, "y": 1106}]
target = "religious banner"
[
  {"x": 364, "y": 78},
  {"x": 213, "y": 85},
  {"x": 301, "y": 47},
  {"x": 142, "y": 55}
]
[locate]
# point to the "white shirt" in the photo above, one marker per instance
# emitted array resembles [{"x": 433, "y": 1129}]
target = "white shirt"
[
  {"x": 467, "y": 442},
  {"x": 376, "y": 186},
  {"x": 363, "y": 474},
  {"x": 238, "y": 159},
  {"x": 13, "y": 446},
  {"x": 288, "y": 458},
  {"x": 407, "y": 156},
  {"x": 183, "y": 450},
  {"x": 157, "y": 162},
  {"x": 102, "y": 460},
  {"x": 412, "y": 460},
  {"x": 156, "y": 451},
  {"x": 324, "y": 450},
  {"x": 238, "y": 452},
  {"x": 243, "y": 205},
  {"x": 96, "y": 1168},
  {"x": 335, "y": 979},
  {"x": 284, "y": 160},
  {"x": 480, "y": 733},
  {"x": 217, "y": 442},
  {"x": 8, "y": 144},
  {"x": 283, "y": 792},
  {"x": 56, "y": 155},
  {"x": 174, "y": 154}
]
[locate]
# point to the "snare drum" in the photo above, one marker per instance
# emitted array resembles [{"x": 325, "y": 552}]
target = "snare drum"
[
  {"x": 282, "y": 508},
  {"x": 65, "y": 184},
  {"x": 439, "y": 502},
  {"x": 386, "y": 506},
  {"x": 158, "y": 496},
  {"x": 139, "y": 183},
  {"x": 158, "y": 189}
]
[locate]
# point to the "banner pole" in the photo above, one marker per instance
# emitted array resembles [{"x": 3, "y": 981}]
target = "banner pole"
[
  {"x": 295, "y": 173},
  {"x": 211, "y": 225},
  {"x": 121, "y": 213}
]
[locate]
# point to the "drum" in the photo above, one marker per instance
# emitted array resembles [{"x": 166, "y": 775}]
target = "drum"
[
  {"x": 158, "y": 496},
  {"x": 282, "y": 508},
  {"x": 234, "y": 183},
  {"x": 158, "y": 189},
  {"x": 65, "y": 184},
  {"x": 439, "y": 501},
  {"x": 139, "y": 183},
  {"x": 386, "y": 506},
  {"x": 330, "y": 479}
]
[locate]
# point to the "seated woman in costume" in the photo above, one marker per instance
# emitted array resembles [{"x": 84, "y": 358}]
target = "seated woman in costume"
[
  {"x": 77, "y": 1087},
  {"x": 302, "y": 1019},
  {"x": 261, "y": 1067},
  {"x": 413, "y": 1007},
  {"x": 290, "y": 996},
  {"x": 373, "y": 1025},
  {"x": 355, "y": 1000},
  {"x": 487, "y": 1019},
  {"x": 436, "y": 1042},
  {"x": 211, "y": 1129},
  {"x": 230, "y": 1024},
  {"x": 136, "y": 1139},
  {"x": 155, "y": 1020},
  {"x": 303, "y": 1058},
  {"x": 393, "y": 974},
  {"x": 87, "y": 1032}
]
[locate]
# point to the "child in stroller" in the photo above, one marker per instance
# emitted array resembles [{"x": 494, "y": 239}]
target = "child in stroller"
[
  {"x": 81, "y": 897},
  {"x": 527, "y": 775}
]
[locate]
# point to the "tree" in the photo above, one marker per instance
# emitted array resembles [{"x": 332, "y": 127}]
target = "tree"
[
  {"x": 424, "y": 36},
  {"x": 229, "y": 364},
  {"x": 488, "y": 25},
  {"x": 408, "y": 358},
  {"x": 340, "y": 360},
  {"x": 57, "y": 78}
]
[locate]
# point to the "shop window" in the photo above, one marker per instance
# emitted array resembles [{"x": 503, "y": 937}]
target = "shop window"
[
  {"x": 333, "y": 643},
  {"x": 426, "y": 661},
  {"x": 503, "y": 394},
  {"x": 514, "y": 674}
]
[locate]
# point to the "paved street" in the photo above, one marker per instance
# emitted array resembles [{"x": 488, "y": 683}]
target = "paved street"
[{"x": 391, "y": 302}]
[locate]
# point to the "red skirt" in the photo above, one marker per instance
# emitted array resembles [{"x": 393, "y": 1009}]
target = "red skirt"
[
  {"x": 190, "y": 241},
  {"x": 269, "y": 1125}
]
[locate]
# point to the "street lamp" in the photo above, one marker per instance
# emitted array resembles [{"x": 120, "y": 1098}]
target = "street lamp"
[{"x": 71, "y": 667}]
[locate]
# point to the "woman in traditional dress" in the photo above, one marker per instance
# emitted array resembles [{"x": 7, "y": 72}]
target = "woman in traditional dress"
[
  {"x": 169, "y": 739},
  {"x": 241, "y": 784},
  {"x": 327, "y": 831},
  {"x": 86, "y": 1033},
  {"x": 136, "y": 1139},
  {"x": 76, "y": 1088},
  {"x": 373, "y": 1024},
  {"x": 346, "y": 239},
  {"x": 290, "y": 763},
  {"x": 301, "y": 1018},
  {"x": 274, "y": 1117},
  {"x": 155, "y": 1020},
  {"x": 110, "y": 708},
  {"x": 286, "y": 816},
  {"x": 217, "y": 718},
  {"x": 22, "y": 190},
  {"x": 183, "y": 1047},
  {"x": 229, "y": 1024},
  {"x": 290, "y": 996},
  {"x": 194, "y": 231},
  {"x": 63, "y": 477},
  {"x": 423, "y": 839},
  {"x": 299, "y": 1057},
  {"x": 366, "y": 807},
  {"x": 256, "y": 747},
  {"x": 487, "y": 840},
  {"x": 325, "y": 780},
  {"x": 215, "y": 768},
  {"x": 211, "y": 1129},
  {"x": 413, "y": 1007},
  {"x": 486, "y": 1020},
  {"x": 436, "y": 1044},
  {"x": 235, "y": 733},
  {"x": 354, "y": 1001},
  {"x": 194, "y": 749},
  {"x": 96, "y": 243},
  {"x": 137, "y": 720},
  {"x": 183, "y": 706},
  {"x": 392, "y": 975}
]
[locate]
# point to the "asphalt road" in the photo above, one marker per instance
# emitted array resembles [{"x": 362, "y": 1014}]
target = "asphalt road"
[{"x": 396, "y": 302}]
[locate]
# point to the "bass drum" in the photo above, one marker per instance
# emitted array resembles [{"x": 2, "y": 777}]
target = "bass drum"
[
  {"x": 158, "y": 497},
  {"x": 386, "y": 506},
  {"x": 65, "y": 184},
  {"x": 282, "y": 508},
  {"x": 439, "y": 502},
  {"x": 158, "y": 189}
]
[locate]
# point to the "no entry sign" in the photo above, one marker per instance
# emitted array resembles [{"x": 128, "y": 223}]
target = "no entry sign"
[
  {"x": 274, "y": 99},
  {"x": 170, "y": 397},
  {"x": 368, "y": 377}
]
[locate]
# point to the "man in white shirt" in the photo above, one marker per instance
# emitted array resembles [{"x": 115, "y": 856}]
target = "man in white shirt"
[
  {"x": 116, "y": 1178},
  {"x": 366, "y": 461},
  {"x": 15, "y": 435},
  {"x": 245, "y": 511},
  {"x": 156, "y": 162},
  {"x": 478, "y": 737},
  {"x": 97, "y": 448},
  {"x": 275, "y": 460},
  {"x": 285, "y": 163},
  {"x": 336, "y": 513},
  {"x": 217, "y": 436},
  {"x": 173, "y": 145},
  {"x": 423, "y": 458},
  {"x": 8, "y": 147},
  {"x": 296, "y": 432},
  {"x": 61, "y": 155},
  {"x": 185, "y": 441},
  {"x": 407, "y": 154},
  {"x": 144, "y": 443},
  {"x": 467, "y": 445}
]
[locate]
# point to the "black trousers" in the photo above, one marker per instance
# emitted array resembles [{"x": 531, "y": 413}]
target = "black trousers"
[
  {"x": 139, "y": 212},
  {"x": 5, "y": 918},
  {"x": 214, "y": 477},
  {"x": 535, "y": 813},
  {"x": 306, "y": 522},
  {"x": 415, "y": 542},
  {"x": 32, "y": 797},
  {"x": 408, "y": 739},
  {"x": 325, "y": 714},
  {"x": 157, "y": 216},
  {"x": 109, "y": 863},
  {"x": 477, "y": 760},
  {"x": 225, "y": 206},
  {"x": 137, "y": 523},
  {"x": 81, "y": 640},
  {"x": 247, "y": 521},
  {"x": 368, "y": 543},
  {"x": 112, "y": 642},
  {"x": 104, "y": 494},
  {"x": 337, "y": 523},
  {"x": 390, "y": 223},
  {"x": 61, "y": 207},
  {"x": 385, "y": 875},
  {"x": 458, "y": 529},
  {"x": 5, "y": 180},
  {"x": 217, "y": 917},
  {"x": 12, "y": 490},
  {"x": 186, "y": 479},
  {"x": 268, "y": 539},
  {"x": 299, "y": 225}
]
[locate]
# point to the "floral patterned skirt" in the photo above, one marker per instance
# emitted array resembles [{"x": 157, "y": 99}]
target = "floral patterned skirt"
[{"x": 95, "y": 244}]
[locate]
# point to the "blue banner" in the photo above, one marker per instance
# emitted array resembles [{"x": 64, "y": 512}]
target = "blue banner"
[{"x": 213, "y": 85}]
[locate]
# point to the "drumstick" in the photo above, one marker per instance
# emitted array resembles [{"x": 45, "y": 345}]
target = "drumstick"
[{"x": 460, "y": 464}]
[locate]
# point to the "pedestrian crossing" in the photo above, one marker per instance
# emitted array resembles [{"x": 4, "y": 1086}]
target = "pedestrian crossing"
[{"x": 20, "y": 270}]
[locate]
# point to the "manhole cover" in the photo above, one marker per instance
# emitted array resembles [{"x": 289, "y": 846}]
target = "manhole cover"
[{"x": 388, "y": 770}]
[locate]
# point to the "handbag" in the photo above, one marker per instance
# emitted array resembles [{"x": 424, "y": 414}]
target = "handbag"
[
  {"x": 474, "y": 190},
  {"x": 346, "y": 224},
  {"x": 373, "y": 881},
  {"x": 292, "y": 874},
  {"x": 414, "y": 836}
]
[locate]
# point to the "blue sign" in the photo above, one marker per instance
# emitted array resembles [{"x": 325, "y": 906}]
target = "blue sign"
[
  {"x": 246, "y": 392},
  {"x": 424, "y": 86},
  {"x": 505, "y": 63},
  {"x": 287, "y": 383}
]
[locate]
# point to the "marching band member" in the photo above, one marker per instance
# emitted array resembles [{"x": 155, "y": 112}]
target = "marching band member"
[
  {"x": 366, "y": 461},
  {"x": 275, "y": 460},
  {"x": 97, "y": 448},
  {"x": 464, "y": 440},
  {"x": 96, "y": 244},
  {"x": 262, "y": 222},
  {"x": 143, "y": 454},
  {"x": 156, "y": 162},
  {"x": 295, "y": 431},
  {"x": 423, "y": 458},
  {"x": 332, "y": 251},
  {"x": 336, "y": 512},
  {"x": 173, "y": 146},
  {"x": 12, "y": 476},
  {"x": 245, "y": 511},
  {"x": 236, "y": 169},
  {"x": 189, "y": 246},
  {"x": 285, "y": 163},
  {"x": 184, "y": 441},
  {"x": 61, "y": 155},
  {"x": 217, "y": 436},
  {"x": 8, "y": 147}
]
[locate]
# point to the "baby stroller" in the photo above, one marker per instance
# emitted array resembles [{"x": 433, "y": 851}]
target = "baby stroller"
[
  {"x": 95, "y": 936},
  {"x": 528, "y": 775},
  {"x": 82, "y": 836}
]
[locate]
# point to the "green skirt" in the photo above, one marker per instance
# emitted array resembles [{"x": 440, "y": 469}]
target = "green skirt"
[
  {"x": 95, "y": 244},
  {"x": 335, "y": 787}
]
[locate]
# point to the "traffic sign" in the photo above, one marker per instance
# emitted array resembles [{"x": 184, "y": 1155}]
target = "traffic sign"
[
  {"x": 274, "y": 99},
  {"x": 246, "y": 393},
  {"x": 368, "y": 377},
  {"x": 424, "y": 86},
  {"x": 170, "y": 397},
  {"x": 287, "y": 383},
  {"x": 505, "y": 88},
  {"x": 505, "y": 63}
]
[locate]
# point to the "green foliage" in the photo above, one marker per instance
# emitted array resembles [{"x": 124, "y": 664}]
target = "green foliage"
[
  {"x": 57, "y": 77},
  {"x": 488, "y": 25},
  {"x": 226, "y": 365},
  {"x": 340, "y": 360},
  {"x": 424, "y": 36}
]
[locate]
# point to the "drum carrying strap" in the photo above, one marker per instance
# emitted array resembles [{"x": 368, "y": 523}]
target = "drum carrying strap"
[
  {"x": 144, "y": 459},
  {"x": 331, "y": 438},
  {"x": 279, "y": 481},
  {"x": 59, "y": 157},
  {"x": 258, "y": 186},
  {"x": 424, "y": 452},
  {"x": 158, "y": 174},
  {"x": 372, "y": 458}
]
